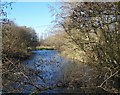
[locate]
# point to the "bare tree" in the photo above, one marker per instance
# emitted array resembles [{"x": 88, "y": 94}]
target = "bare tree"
[{"x": 93, "y": 28}]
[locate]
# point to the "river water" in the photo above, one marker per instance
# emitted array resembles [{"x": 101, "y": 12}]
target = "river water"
[{"x": 51, "y": 65}]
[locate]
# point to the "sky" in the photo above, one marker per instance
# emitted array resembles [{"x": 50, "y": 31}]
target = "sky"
[{"x": 32, "y": 14}]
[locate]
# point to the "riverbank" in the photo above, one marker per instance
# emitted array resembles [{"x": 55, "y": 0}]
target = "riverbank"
[
  {"x": 20, "y": 56},
  {"x": 44, "y": 48}
]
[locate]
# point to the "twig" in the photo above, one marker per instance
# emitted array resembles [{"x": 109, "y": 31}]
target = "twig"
[{"x": 107, "y": 79}]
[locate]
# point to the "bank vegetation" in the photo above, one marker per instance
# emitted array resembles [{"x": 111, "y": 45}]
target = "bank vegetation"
[{"x": 89, "y": 37}]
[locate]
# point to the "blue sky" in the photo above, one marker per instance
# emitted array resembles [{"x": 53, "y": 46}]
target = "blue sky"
[{"x": 32, "y": 14}]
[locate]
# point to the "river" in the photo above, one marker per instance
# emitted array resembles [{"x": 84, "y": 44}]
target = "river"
[
  {"x": 53, "y": 69},
  {"x": 51, "y": 65}
]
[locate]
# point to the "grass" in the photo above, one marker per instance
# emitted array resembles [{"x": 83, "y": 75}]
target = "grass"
[{"x": 44, "y": 48}]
